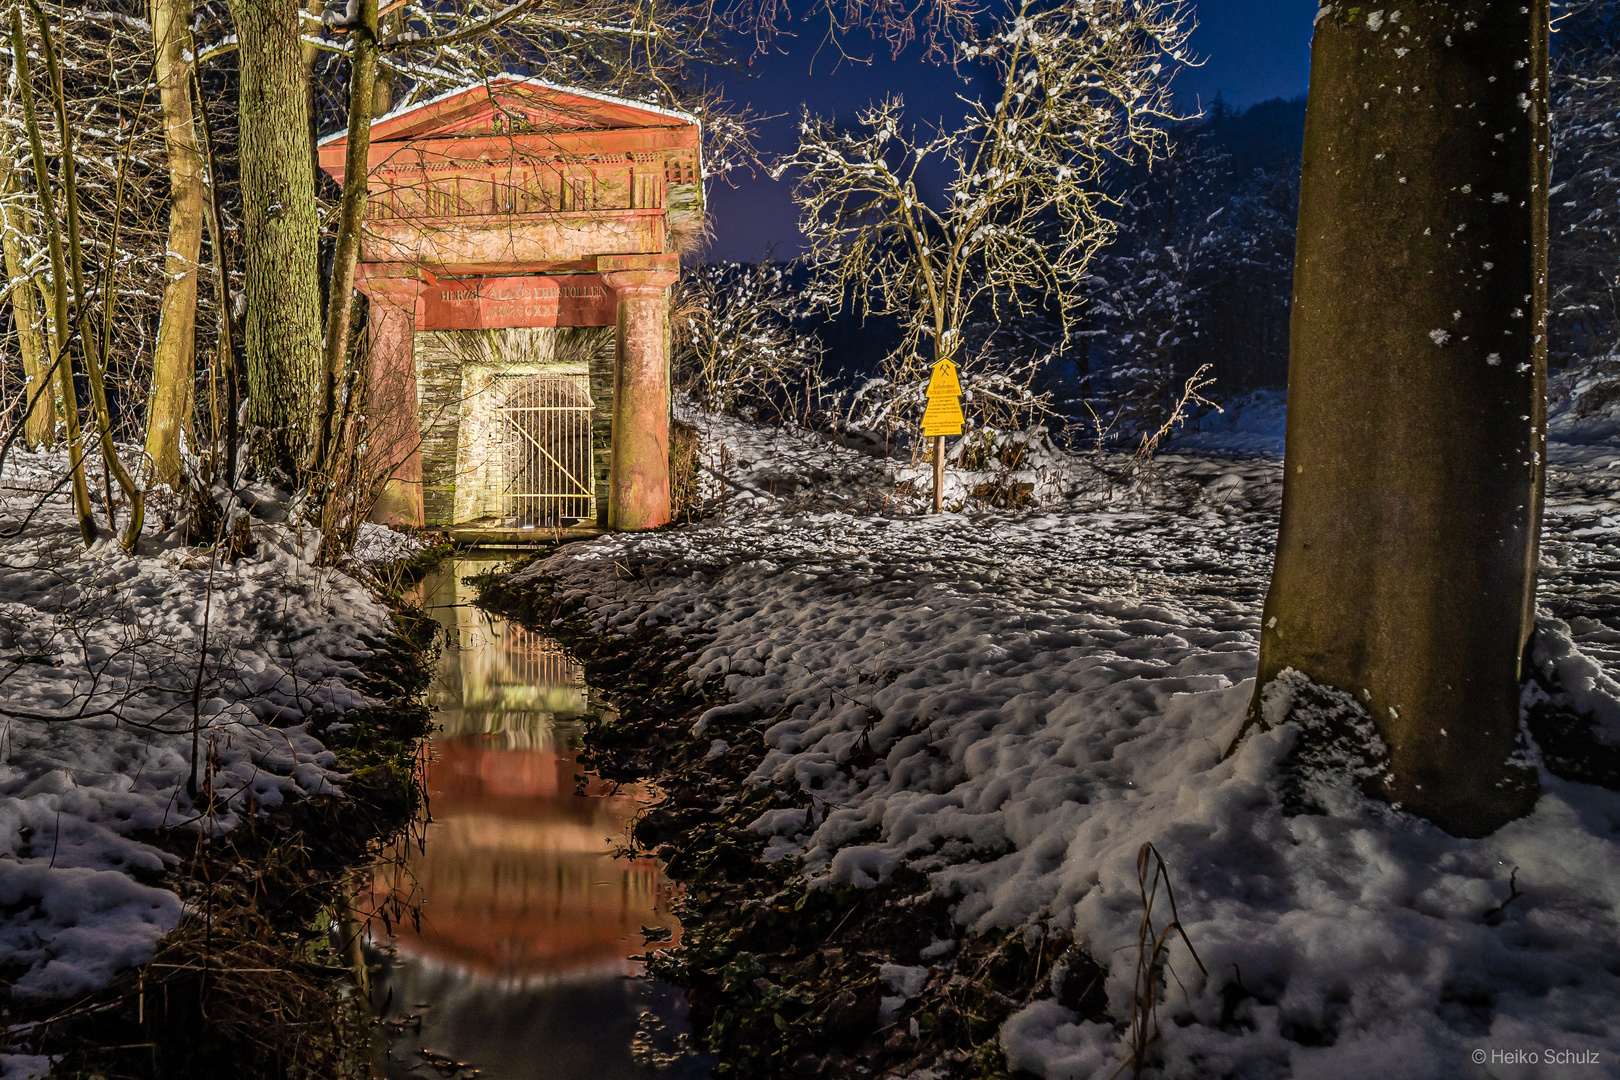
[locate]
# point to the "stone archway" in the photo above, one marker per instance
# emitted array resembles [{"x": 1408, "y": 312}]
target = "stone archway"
[{"x": 517, "y": 204}]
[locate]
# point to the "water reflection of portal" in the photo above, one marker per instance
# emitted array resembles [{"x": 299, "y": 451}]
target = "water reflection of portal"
[
  {"x": 495, "y": 678},
  {"x": 516, "y": 877}
]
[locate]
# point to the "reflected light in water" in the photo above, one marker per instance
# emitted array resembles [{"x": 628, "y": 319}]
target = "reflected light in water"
[{"x": 515, "y": 879}]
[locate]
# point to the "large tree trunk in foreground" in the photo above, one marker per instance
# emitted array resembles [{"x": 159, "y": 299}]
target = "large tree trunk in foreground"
[
  {"x": 1406, "y": 562},
  {"x": 168, "y": 411},
  {"x": 39, "y": 429},
  {"x": 282, "y": 336}
]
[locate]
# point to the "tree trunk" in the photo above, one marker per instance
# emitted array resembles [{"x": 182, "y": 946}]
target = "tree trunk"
[
  {"x": 1406, "y": 561},
  {"x": 351, "y": 217},
  {"x": 168, "y": 413},
  {"x": 59, "y": 320},
  {"x": 91, "y": 338},
  {"x": 282, "y": 335},
  {"x": 40, "y": 427},
  {"x": 225, "y": 387}
]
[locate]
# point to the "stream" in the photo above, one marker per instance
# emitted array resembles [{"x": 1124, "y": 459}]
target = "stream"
[{"x": 505, "y": 929}]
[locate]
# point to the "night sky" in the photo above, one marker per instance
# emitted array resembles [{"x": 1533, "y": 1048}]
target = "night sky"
[{"x": 1254, "y": 50}]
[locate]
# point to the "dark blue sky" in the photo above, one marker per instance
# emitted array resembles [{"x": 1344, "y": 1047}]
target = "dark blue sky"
[{"x": 1254, "y": 50}]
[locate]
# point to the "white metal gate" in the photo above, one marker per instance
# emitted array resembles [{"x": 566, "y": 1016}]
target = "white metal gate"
[{"x": 546, "y": 441}]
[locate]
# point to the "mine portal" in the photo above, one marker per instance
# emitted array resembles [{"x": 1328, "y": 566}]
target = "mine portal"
[{"x": 519, "y": 246}]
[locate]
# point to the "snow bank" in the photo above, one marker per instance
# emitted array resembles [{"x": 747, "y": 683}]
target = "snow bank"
[
  {"x": 745, "y": 467},
  {"x": 1253, "y": 424},
  {"x": 25, "y": 1066},
  {"x": 379, "y": 545},
  {"x": 106, "y": 662},
  {"x": 1583, "y": 401},
  {"x": 1044, "y": 692}
]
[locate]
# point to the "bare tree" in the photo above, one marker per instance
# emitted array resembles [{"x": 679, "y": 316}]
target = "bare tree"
[
  {"x": 64, "y": 371},
  {"x": 92, "y": 332},
  {"x": 1080, "y": 85},
  {"x": 351, "y": 214},
  {"x": 39, "y": 404},
  {"x": 86, "y": 80},
  {"x": 935, "y": 25},
  {"x": 122, "y": 185}
]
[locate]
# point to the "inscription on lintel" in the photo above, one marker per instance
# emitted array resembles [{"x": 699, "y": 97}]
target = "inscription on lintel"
[{"x": 494, "y": 302}]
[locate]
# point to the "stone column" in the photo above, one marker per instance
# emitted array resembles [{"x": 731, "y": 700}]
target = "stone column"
[
  {"x": 393, "y": 434},
  {"x": 638, "y": 478}
]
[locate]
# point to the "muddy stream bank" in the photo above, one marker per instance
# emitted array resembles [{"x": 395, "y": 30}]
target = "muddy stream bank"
[{"x": 782, "y": 979}]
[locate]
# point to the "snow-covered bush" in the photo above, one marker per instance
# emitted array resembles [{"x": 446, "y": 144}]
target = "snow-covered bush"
[
  {"x": 1584, "y": 207},
  {"x": 735, "y": 343}
]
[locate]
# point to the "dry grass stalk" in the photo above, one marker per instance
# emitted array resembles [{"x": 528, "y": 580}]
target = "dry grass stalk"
[
  {"x": 1152, "y": 957},
  {"x": 1191, "y": 394},
  {"x": 685, "y": 454}
]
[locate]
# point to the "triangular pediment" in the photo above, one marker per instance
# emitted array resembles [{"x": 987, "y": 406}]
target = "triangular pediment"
[{"x": 515, "y": 105}]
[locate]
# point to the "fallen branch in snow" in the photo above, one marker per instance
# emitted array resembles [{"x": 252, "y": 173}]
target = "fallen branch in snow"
[{"x": 1494, "y": 915}]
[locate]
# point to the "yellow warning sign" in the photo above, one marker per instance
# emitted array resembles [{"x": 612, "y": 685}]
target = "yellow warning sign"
[
  {"x": 944, "y": 413},
  {"x": 943, "y": 382},
  {"x": 942, "y": 417}
]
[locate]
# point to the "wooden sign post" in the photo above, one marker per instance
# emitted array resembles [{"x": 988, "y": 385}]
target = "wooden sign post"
[{"x": 942, "y": 417}]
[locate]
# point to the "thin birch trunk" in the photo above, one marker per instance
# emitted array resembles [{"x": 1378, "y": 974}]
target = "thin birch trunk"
[
  {"x": 64, "y": 367},
  {"x": 39, "y": 429},
  {"x": 89, "y": 339},
  {"x": 225, "y": 358},
  {"x": 174, "y": 360}
]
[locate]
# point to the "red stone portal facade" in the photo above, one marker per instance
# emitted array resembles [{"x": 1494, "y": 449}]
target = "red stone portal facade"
[{"x": 504, "y": 222}]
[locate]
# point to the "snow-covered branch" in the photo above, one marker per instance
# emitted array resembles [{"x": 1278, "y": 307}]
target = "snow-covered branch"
[{"x": 1081, "y": 86}]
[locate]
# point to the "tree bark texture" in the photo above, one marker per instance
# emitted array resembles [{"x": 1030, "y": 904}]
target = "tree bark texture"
[
  {"x": 351, "y": 218},
  {"x": 1406, "y": 562},
  {"x": 282, "y": 335},
  {"x": 168, "y": 414},
  {"x": 39, "y": 429}
]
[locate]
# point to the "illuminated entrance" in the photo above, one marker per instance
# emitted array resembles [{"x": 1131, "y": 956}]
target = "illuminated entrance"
[
  {"x": 519, "y": 245},
  {"x": 545, "y": 425}
]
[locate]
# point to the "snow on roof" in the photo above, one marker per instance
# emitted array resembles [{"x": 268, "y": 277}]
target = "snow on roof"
[{"x": 512, "y": 79}]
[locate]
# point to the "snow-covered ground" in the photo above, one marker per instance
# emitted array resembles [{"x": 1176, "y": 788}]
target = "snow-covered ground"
[
  {"x": 107, "y": 661},
  {"x": 1584, "y": 401},
  {"x": 1048, "y": 689}
]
